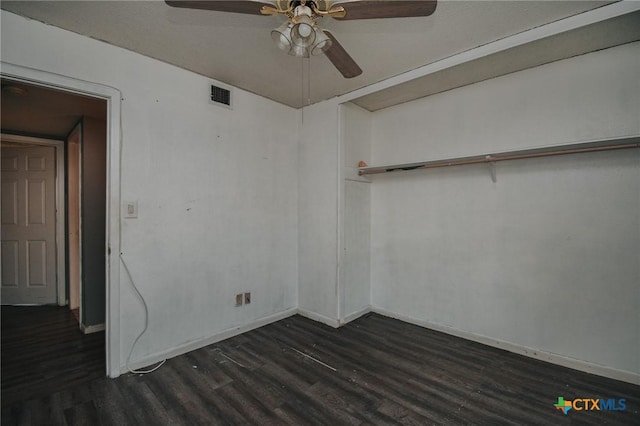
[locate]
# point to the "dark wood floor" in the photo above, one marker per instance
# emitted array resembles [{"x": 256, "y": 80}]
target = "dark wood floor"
[
  {"x": 43, "y": 352},
  {"x": 376, "y": 371}
]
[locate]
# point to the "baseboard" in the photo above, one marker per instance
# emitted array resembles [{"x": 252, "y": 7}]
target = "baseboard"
[
  {"x": 357, "y": 314},
  {"x": 318, "y": 317},
  {"x": 334, "y": 322},
  {"x": 625, "y": 376},
  {"x": 565, "y": 361},
  {"x": 88, "y": 329},
  {"x": 200, "y": 343}
]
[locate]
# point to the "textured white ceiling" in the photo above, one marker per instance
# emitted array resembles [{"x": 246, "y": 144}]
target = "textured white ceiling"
[{"x": 237, "y": 49}]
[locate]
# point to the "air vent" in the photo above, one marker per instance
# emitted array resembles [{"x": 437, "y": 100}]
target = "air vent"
[{"x": 220, "y": 96}]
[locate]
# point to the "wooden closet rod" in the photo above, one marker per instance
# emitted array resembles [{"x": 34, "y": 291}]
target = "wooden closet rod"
[{"x": 609, "y": 145}]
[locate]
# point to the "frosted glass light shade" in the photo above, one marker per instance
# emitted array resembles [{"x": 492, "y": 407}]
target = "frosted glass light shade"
[
  {"x": 303, "y": 32},
  {"x": 322, "y": 44},
  {"x": 282, "y": 36}
]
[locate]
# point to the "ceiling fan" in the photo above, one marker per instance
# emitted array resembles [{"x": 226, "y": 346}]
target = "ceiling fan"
[{"x": 300, "y": 34}]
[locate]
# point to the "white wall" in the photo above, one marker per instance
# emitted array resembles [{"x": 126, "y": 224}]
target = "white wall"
[
  {"x": 548, "y": 256},
  {"x": 355, "y": 261},
  {"x": 334, "y": 203},
  {"x": 584, "y": 98},
  {"x": 216, "y": 191},
  {"x": 317, "y": 214}
]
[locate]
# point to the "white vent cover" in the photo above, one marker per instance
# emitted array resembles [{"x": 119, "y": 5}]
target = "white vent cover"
[{"x": 220, "y": 95}]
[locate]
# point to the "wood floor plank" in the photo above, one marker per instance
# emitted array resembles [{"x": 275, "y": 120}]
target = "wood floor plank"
[
  {"x": 84, "y": 414},
  {"x": 248, "y": 404},
  {"x": 111, "y": 406}
]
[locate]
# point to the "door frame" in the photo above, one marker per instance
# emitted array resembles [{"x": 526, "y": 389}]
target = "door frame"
[
  {"x": 58, "y": 145},
  {"x": 78, "y": 187},
  {"x": 112, "y": 247}
]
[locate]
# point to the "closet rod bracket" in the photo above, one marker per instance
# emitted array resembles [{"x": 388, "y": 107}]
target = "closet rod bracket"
[{"x": 492, "y": 168}]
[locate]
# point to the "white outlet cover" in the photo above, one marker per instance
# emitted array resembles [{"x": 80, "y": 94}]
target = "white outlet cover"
[{"x": 130, "y": 209}]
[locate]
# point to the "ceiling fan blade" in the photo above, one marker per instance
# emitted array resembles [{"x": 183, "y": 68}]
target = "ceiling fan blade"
[
  {"x": 341, "y": 59},
  {"x": 238, "y": 6},
  {"x": 372, "y": 9}
]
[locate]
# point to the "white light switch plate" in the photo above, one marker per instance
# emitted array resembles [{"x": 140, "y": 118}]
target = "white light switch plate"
[{"x": 130, "y": 209}]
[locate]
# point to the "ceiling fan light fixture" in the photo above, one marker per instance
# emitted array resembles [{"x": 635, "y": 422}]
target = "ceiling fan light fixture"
[
  {"x": 300, "y": 36},
  {"x": 282, "y": 36}
]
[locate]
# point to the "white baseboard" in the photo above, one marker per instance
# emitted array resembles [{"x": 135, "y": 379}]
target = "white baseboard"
[
  {"x": 625, "y": 376},
  {"x": 200, "y": 343},
  {"x": 357, "y": 314},
  {"x": 88, "y": 329},
  {"x": 319, "y": 317},
  {"x": 565, "y": 361}
]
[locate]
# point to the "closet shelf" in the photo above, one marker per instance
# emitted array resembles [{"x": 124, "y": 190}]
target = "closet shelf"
[{"x": 576, "y": 148}]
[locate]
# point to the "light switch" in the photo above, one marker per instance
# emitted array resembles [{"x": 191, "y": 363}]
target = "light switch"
[{"x": 131, "y": 209}]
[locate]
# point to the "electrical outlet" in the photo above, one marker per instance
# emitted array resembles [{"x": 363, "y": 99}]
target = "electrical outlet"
[
  {"x": 239, "y": 299},
  {"x": 247, "y": 298}
]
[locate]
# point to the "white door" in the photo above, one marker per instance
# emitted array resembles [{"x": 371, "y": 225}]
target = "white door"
[{"x": 28, "y": 225}]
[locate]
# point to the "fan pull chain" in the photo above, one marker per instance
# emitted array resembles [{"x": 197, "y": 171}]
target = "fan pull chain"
[
  {"x": 302, "y": 99},
  {"x": 309, "y": 81},
  {"x": 302, "y": 88}
]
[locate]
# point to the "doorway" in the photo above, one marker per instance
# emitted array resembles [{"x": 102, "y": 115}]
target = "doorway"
[
  {"x": 80, "y": 122},
  {"x": 16, "y": 119}
]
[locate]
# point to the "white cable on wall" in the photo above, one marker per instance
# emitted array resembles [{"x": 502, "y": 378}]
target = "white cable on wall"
[{"x": 146, "y": 325}]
